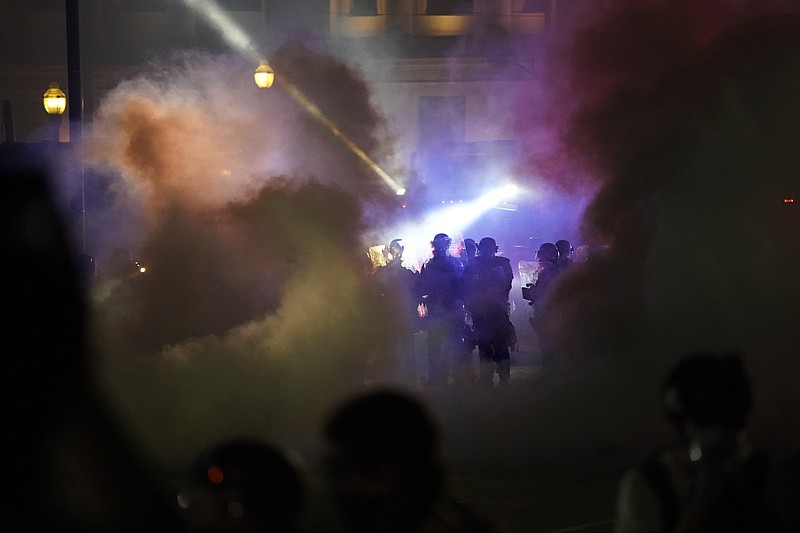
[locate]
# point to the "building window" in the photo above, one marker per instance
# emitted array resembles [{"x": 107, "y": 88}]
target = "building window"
[
  {"x": 364, "y": 8},
  {"x": 449, "y": 7}
]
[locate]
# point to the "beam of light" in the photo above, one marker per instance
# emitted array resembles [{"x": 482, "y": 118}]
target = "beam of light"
[
  {"x": 212, "y": 13},
  {"x": 452, "y": 219},
  {"x": 215, "y": 16},
  {"x": 312, "y": 108},
  {"x": 502, "y": 196},
  {"x": 496, "y": 196}
]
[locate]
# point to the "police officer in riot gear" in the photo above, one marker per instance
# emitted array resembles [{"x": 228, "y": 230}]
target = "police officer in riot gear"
[
  {"x": 439, "y": 290},
  {"x": 397, "y": 284},
  {"x": 487, "y": 283}
]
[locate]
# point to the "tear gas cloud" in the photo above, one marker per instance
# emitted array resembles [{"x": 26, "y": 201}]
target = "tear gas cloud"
[
  {"x": 250, "y": 218},
  {"x": 254, "y": 220},
  {"x": 678, "y": 116}
]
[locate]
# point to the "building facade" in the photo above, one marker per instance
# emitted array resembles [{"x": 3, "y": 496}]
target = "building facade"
[{"x": 432, "y": 54}]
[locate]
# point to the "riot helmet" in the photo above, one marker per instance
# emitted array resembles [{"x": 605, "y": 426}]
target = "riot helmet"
[
  {"x": 487, "y": 247},
  {"x": 440, "y": 243},
  {"x": 564, "y": 248},
  {"x": 470, "y": 247},
  {"x": 394, "y": 250},
  {"x": 547, "y": 252}
]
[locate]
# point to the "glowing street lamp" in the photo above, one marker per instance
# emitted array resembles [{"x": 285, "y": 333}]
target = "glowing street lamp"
[
  {"x": 55, "y": 101},
  {"x": 264, "y": 75}
]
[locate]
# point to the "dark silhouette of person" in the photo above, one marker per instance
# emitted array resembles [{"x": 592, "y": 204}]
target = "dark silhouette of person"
[
  {"x": 397, "y": 285},
  {"x": 713, "y": 479},
  {"x": 537, "y": 294},
  {"x": 243, "y": 485},
  {"x": 70, "y": 465},
  {"x": 470, "y": 251},
  {"x": 565, "y": 259},
  {"x": 384, "y": 468},
  {"x": 438, "y": 287},
  {"x": 486, "y": 285},
  {"x": 546, "y": 273},
  {"x": 464, "y": 359}
]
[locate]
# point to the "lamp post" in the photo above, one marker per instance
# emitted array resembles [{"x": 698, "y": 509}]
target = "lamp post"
[
  {"x": 74, "y": 71},
  {"x": 264, "y": 75},
  {"x": 8, "y": 122},
  {"x": 54, "y": 100},
  {"x": 55, "y": 103},
  {"x": 72, "y": 14}
]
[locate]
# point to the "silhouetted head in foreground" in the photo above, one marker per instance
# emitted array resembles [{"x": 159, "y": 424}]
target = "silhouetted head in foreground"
[
  {"x": 243, "y": 486},
  {"x": 706, "y": 392},
  {"x": 382, "y": 461},
  {"x": 384, "y": 468},
  {"x": 717, "y": 480}
]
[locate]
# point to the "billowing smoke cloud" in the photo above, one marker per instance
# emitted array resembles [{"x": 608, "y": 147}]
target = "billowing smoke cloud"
[
  {"x": 249, "y": 214},
  {"x": 680, "y": 116}
]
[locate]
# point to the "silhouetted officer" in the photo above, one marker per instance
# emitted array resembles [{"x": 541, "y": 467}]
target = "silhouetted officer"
[
  {"x": 397, "y": 284},
  {"x": 487, "y": 283},
  {"x": 439, "y": 290}
]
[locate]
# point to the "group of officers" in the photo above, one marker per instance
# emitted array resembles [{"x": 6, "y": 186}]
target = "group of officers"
[{"x": 460, "y": 302}]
